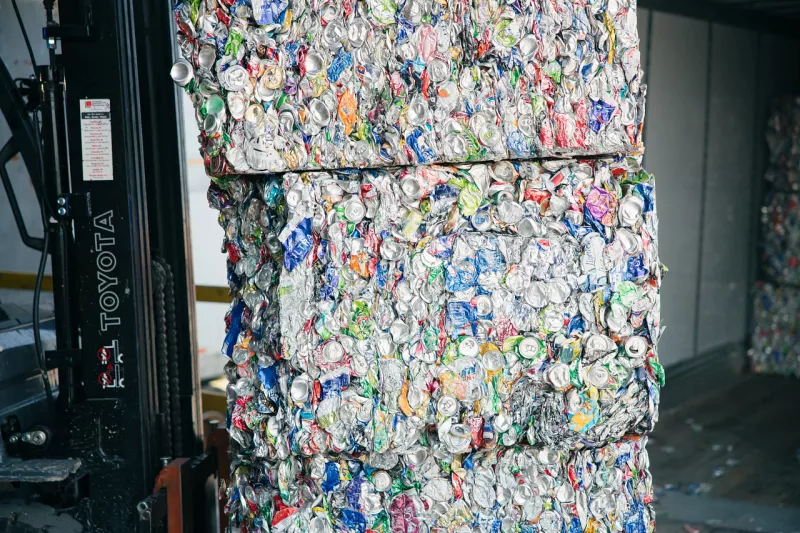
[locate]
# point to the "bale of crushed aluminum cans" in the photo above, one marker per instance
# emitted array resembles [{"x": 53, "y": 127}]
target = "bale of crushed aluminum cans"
[
  {"x": 283, "y": 85},
  {"x": 783, "y": 142},
  {"x": 507, "y": 490},
  {"x": 445, "y": 347},
  {"x": 775, "y": 344},
  {"x": 780, "y": 243}
]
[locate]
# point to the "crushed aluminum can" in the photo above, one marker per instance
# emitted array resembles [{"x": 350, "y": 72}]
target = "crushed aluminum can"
[{"x": 381, "y": 83}]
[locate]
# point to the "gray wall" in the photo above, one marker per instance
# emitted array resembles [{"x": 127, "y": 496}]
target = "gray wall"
[
  {"x": 729, "y": 179},
  {"x": 674, "y": 153},
  {"x": 708, "y": 91}
]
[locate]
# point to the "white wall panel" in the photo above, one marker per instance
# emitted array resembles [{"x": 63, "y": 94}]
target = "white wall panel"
[
  {"x": 674, "y": 140},
  {"x": 724, "y": 282}
]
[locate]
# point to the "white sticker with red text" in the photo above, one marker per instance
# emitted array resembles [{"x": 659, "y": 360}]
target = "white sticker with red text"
[{"x": 96, "y": 140}]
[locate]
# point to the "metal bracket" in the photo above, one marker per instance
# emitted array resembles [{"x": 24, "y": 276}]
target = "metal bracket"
[
  {"x": 67, "y": 32},
  {"x": 38, "y": 470},
  {"x": 74, "y": 206},
  {"x": 151, "y": 511},
  {"x": 178, "y": 496}
]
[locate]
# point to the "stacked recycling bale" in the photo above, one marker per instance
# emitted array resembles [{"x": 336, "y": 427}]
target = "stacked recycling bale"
[
  {"x": 468, "y": 344},
  {"x": 774, "y": 346},
  {"x": 299, "y": 85}
]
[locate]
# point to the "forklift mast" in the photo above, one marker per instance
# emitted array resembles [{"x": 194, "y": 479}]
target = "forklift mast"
[{"x": 128, "y": 398}]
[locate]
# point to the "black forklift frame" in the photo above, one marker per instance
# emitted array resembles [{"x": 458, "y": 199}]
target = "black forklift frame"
[{"x": 106, "y": 237}]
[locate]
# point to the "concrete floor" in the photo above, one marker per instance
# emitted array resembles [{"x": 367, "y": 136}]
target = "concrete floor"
[{"x": 730, "y": 461}]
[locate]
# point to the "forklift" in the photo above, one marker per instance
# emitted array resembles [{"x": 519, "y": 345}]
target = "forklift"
[{"x": 101, "y": 427}]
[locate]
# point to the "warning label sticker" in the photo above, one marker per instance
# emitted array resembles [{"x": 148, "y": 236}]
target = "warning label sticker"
[{"x": 96, "y": 140}]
